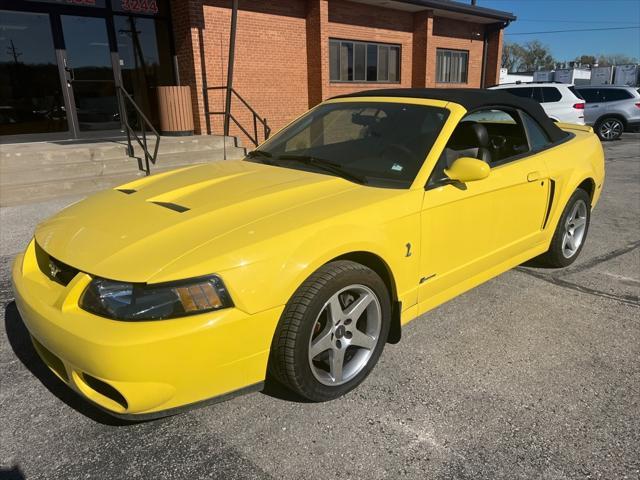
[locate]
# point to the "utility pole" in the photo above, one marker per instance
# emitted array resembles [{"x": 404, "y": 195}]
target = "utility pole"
[{"x": 13, "y": 51}]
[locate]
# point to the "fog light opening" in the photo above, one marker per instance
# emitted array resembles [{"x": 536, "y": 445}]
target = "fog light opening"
[{"x": 106, "y": 390}]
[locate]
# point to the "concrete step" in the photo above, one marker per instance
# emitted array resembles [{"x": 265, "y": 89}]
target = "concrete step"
[
  {"x": 42, "y": 154},
  {"x": 41, "y": 191},
  {"x": 67, "y": 172}
]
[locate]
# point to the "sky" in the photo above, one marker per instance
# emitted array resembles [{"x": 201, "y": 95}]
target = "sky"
[{"x": 544, "y": 15}]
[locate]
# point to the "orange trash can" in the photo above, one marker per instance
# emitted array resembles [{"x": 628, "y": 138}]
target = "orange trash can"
[{"x": 175, "y": 110}]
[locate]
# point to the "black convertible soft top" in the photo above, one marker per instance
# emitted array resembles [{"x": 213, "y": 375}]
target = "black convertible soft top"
[{"x": 472, "y": 99}]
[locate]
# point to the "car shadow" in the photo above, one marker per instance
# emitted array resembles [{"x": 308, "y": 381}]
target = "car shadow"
[
  {"x": 537, "y": 262},
  {"x": 20, "y": 342},
  {"x": 12, "y": 473},
  {"x": 274, "y": 389}
]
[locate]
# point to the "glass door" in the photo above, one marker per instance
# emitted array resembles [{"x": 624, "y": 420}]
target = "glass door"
[{"x": 89, "y": 70}]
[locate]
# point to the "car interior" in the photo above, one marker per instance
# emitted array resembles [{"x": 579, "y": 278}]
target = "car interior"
[{"x": 492, "y": 136}]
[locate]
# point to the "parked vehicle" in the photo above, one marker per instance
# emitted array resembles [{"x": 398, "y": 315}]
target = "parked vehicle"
[
  {"x": 560, "y": 101},
  {"x": 611, "y": 109},
  {"x": 309, "y": 255}
]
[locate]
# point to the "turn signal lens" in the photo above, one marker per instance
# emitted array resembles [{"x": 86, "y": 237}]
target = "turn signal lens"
[
  {"x": 137, "y": 302},
  {"x": 578, "y": 106}
]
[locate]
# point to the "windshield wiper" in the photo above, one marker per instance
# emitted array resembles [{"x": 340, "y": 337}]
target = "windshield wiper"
[
  {"x": 262, "y": 155},
  {"x": 326, "y": 165}
]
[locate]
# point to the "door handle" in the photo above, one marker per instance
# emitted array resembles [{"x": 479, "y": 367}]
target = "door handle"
[
  {"x": 69, "y": 70},
  {"x": 533, "y": 176}
]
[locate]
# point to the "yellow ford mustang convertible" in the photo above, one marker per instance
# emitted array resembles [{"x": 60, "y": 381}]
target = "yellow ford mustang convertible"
[{"x": 301, "y": 261}]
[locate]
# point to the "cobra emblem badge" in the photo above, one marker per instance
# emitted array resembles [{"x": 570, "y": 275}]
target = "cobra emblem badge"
[{"x": 54, "y": 269}]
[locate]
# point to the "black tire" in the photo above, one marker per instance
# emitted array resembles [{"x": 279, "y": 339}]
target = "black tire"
[
  {"x": 289, "y": 360},
  {"x": 556, "y": 256},
  {"x": 609, "y": 128}
]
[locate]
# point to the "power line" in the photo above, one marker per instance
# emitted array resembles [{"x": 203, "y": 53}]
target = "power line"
[
  {"x": 573, "y": 30},
  {"x": 573, "y": 21}
]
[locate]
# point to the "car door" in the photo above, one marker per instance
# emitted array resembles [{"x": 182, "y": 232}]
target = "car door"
[
  {"x": 475, "y": 230},
  {"x": 594, "y": 106}
]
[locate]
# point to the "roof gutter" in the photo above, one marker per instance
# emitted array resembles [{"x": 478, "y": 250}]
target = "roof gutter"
[{"x": 467, "y": 9}]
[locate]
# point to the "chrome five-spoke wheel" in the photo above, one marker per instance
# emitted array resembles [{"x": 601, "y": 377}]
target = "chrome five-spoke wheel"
[
  {"x": 345, "y": 335},
  {"x": 574, "y": 229}
]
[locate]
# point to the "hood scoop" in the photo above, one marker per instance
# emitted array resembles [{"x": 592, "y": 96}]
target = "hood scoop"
[
  {"x": 172, "y": 206},
  {"x": 126, "y": 191}
]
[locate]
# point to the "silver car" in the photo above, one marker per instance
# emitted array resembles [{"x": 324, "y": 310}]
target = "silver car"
[{"x": 611, "y": 109}]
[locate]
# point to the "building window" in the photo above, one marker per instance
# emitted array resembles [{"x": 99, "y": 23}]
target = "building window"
[
  {"x": 351, "y": 61},
  {"x": 452, "y": 66}
]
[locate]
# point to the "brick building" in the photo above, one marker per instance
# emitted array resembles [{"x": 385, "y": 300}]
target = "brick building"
[
  {"x": 292, "y": 54},
  {"x": 63, "y": 61}
]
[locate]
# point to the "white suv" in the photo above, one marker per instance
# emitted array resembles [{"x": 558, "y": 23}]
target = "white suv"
[{"x": 560, "y": 101}]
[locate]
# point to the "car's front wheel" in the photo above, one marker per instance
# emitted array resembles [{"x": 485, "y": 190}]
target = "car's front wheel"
[
  {"x": 332, "y": 331},
  {"x": 609, "y": 128}
]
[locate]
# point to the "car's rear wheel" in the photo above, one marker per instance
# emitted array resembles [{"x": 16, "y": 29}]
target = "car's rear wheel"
[
  {"x": 332, "y": 331},
  {"x": 609, "y": 128},
  {"x": 571, "y": 232}
]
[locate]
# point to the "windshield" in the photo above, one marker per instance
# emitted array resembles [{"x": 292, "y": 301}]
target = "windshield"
[{"x": 374, "y": 143}]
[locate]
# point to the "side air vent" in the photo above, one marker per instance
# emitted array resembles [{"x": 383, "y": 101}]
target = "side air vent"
[
  {"x": 172, "y": 206},
  {"x": 552, "y": 192},
  {"x": 126, "y": 191}
]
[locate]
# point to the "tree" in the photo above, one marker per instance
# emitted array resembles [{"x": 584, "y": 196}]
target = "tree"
[
  {"x": 586, "y": 59},
  {"x": 537, "y": 57},
  {"x": 615, "y": 59},
  {"x": 529, "y": 57},
  {"x": 512, "y": 54}
]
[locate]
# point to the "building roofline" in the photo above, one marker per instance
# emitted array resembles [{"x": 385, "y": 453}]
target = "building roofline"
[{"x": 463, "y": 8}]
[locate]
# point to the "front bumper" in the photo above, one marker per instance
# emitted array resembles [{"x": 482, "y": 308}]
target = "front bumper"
[{"x": 140, "y": 368}]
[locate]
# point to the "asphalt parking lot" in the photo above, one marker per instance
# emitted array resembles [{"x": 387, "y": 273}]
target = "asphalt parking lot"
[{"x": 535, "y": 374}]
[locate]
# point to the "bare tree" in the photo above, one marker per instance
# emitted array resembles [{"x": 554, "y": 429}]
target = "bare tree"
[
  {"x": 615, "y": 59},
  {"x": 531, "y": 56}
]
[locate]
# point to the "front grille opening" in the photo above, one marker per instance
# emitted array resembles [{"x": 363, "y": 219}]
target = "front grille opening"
[
  {"x": 54, "y": 269},
  {"x": 104, "y": 389},
  {"x": 53, "y": 362}
]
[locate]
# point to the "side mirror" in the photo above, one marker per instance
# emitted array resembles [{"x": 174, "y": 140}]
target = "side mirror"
[{"x": 467, "y": 169}]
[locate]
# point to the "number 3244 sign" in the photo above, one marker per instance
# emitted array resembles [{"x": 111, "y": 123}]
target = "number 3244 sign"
[{"x": 138, "y": 6}]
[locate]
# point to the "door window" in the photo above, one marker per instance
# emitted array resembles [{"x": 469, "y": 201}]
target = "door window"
[
  {"x": 31, "y": 99},
  {"x": 524, "y": 92}
]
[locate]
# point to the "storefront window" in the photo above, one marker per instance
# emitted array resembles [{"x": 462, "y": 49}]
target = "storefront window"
[
  {"x": 31, "y": 99},
  {"x": 145, "y": 59}
]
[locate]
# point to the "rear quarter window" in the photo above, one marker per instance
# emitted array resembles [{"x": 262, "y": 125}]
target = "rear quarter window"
[{"x": 615, "y": 94}]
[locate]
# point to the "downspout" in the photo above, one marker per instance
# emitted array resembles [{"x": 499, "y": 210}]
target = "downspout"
[
  {"x": 232, "y": 51},
  {"x": 485, "y": 44},
  {"x": 494, "y": 27}
]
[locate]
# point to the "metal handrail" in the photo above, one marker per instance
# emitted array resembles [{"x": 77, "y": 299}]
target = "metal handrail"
[
  {"x": 229, "y": 116},
  {"x": 143, "y": 122}
]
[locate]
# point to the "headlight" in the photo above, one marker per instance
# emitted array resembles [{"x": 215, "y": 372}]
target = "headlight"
[{"x": 134, "y": 301}]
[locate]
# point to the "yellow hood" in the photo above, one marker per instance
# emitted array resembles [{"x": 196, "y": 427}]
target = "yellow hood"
[{"x": 133, "y": 231}]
